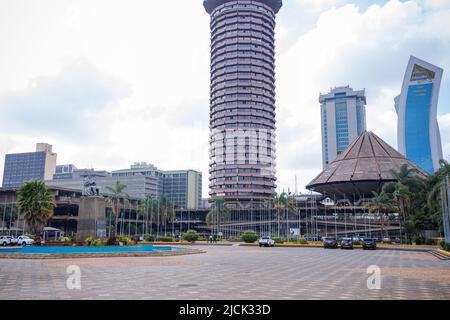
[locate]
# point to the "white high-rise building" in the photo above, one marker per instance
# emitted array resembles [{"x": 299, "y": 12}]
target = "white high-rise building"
[{"x": 343, "y": 113}]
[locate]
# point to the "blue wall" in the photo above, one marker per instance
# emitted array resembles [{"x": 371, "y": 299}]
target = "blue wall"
[{"x": 417, "y": 126}]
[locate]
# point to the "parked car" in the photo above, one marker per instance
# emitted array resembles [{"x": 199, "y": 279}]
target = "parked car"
[
  {"x": 387, "y": 240},
  {"x": 25, "y": 241},
  {"x": 266, "y": 242},
  {"x": 5, "y": 241},
  {"x": 369, "y": 243},
  {"x": 347, "y": 243},
  {"x": 14, "y": 241},
  {"x": 330, "y": 243}
]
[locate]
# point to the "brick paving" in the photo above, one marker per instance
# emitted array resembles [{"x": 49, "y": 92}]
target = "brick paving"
[{"x": 233, "y": 273}]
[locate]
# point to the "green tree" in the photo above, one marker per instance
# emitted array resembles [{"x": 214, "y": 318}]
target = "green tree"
[
  {"x": 381, "y": 204},
  {"x": 36, "y": 202},
  {"x": 437, "y": 192},
  {"x": 116, "y": 195},
  {"x": 190, "y": 236}
]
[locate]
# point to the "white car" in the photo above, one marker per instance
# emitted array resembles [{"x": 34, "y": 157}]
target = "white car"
[
  {"x": 5, "y": 241},
  {"x": 266, "y": 242},
  {"x": 24, "y": 241}
]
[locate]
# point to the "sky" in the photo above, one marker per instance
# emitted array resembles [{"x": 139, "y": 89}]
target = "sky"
[{"x": 113, "y": 82}]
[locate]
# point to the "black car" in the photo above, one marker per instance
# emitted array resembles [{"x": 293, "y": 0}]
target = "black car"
[
  {"x": 330, "y": 243},
  {"x": 347, "y": 243},
  {"x": 369, "y": 244}
]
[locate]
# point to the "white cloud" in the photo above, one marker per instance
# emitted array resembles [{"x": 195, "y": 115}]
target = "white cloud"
[
  {"x": 160, "y": 50},
  {"x": 364, "y": 49}
]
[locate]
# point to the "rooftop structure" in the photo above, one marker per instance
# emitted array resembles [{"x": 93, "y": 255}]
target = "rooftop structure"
[{"x": 362, "y": 168}]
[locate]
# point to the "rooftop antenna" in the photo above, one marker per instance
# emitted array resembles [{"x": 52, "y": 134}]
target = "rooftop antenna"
[{"x": 296, "y": 185}]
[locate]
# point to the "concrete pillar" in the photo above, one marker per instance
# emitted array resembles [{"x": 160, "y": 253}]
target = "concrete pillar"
[{"x": 91, "y": 218}]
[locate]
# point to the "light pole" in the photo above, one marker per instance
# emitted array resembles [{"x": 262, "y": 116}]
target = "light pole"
[{"x": 445, "y": 202}]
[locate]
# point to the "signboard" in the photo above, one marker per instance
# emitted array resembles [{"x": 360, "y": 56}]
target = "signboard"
[
  {"x": 295, "y": 232},
  {"x": 100, "y": 227}
]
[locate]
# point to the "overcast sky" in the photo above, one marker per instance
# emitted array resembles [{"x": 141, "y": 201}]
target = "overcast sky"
[{"x": 112, "y": 82}]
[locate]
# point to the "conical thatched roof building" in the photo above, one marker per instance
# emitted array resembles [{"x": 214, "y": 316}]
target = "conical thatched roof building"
[{"x": 362, "y": 168}]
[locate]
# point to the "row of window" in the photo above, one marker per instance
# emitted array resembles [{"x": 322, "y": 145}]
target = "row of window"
[
  {"x": 221, "y": 114},
  {"x": 248, "y": 27},
  {"x": 239, "y": 186},
  {"x": 234, "y": 34},
  {"x": 240, "y": 7},
  {"x": 265, "y": 69},
  {"x": 248, "y": 90},
  {"x": 243, "y": 28},
  {"x": 231, "y": 48},
  {"x": 239, "y": 61},
  {"x": 226, "y": 179},
  {"x": 242, "y": 82},
  {"x": 241, "y": 74},
  {"x": 242, "y": 18},
  {"x": 242, "y": 170},
  {"x": 242, "y": 96}
]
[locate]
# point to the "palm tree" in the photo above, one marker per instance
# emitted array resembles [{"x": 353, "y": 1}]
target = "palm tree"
[
  {"x": 284, "y": 203},
  {"x": 36, "y": 202},
  {"x": 402, "y": 196},
  {"x": 437, "y": 181},
  {"x": 148, "y": 205},
  {"x": 437, "y": 196},
  {"x": 218, "y": 213},
  {"x": 405, "y": 174},
  {"x": 381, "y": 204},
  {"x": 116, "y": 194}
]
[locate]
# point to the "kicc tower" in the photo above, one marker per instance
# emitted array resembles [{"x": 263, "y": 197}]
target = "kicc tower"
[{"x": 242, "y": 105}]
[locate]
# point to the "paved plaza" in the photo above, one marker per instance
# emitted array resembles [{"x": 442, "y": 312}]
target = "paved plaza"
[{"x": 234, "y": 273}]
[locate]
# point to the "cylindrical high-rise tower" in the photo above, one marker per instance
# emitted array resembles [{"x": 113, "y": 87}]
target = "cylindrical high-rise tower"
[{"x": 242, "y": 110}]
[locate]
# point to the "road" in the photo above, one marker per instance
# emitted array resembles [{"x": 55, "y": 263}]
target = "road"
[{"x": 234, "y": 273}]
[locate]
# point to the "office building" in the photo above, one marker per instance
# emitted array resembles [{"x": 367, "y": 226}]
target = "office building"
[
  {"x": 22, "y": 167},
  {"x": 64, "y": 171},
  {"x": 138, "y": 186},
  {"x": 418, "y": 133},
  {"x": 242, "y": 105},
  {"x": 183, "y": 188},
  {"x": 343, "y": 114},
  {"x": 143, "y": 169}
]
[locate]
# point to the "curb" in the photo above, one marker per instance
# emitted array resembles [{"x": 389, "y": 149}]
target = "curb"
[{"x": 30, "y": 256}]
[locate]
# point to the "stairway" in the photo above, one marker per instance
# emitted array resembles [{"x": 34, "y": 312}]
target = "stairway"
[{"x": 440, "y": 255}]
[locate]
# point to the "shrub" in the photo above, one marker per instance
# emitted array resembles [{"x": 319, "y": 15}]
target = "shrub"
[
  {"x": 30, "y": 235},
  {"x": 98, "y": 243},
  {"x": 149, "y": 237},
  {"x": 249, "y": 237},
  {"x": 430, "y": 242},
  {"x": 88, "y": 241},
  {"x": 125, "y": 240},
  {"x": 303, "y": 241},
  {"x": 445, "y": 246},
  {"x": 165, "y": 239},
  {"x": 66, "y": 239},
  {"x": 111, "y": 241},
  {"x": 278, "y": 240},
  {"x": 190, "y": 236},
  {"x": 418, "y": 240}
]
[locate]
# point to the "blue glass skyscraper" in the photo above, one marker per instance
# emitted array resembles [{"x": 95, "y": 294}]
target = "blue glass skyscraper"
[
  {"x": 418, "y": 130},
  {"x": 343, "y": 113}
]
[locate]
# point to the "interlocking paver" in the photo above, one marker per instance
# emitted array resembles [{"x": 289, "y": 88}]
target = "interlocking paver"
[{"x": 233, "y": 273}]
